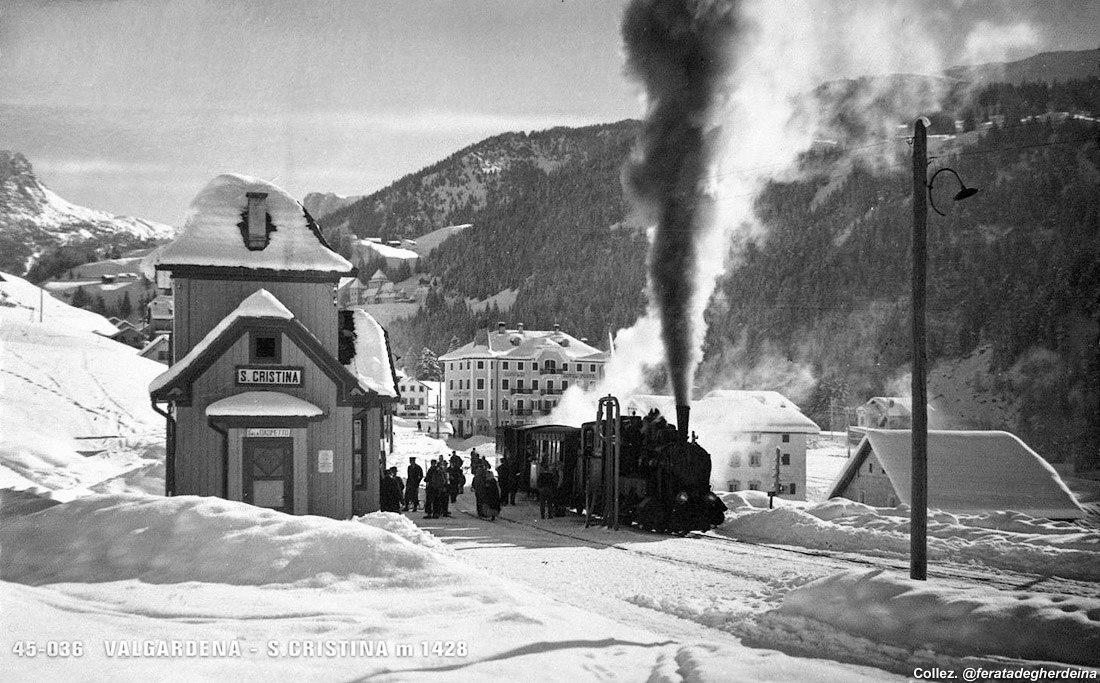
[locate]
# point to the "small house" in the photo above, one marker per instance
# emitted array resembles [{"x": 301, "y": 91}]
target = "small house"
[
  {"x": 159, "y": 349},
  {"x": 969, "y": 472},
  {"x": 276, "y": 398}
]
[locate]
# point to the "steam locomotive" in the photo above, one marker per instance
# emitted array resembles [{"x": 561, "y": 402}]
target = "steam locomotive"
[{"x": 621, "y": 469}]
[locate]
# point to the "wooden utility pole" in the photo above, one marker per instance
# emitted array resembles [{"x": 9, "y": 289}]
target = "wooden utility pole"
[{"x": 918, "y": 503}]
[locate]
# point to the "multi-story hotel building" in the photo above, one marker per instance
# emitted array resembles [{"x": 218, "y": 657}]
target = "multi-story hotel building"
[{"x": 514, "y": 376}]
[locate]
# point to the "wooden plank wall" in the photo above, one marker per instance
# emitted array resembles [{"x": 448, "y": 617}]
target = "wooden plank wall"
[
  {"x": 201, "y": 304},
  {"x": 199, "y": 448}
]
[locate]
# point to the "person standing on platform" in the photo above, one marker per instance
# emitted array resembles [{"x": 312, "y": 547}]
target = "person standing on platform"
[
  {"x": 490, "y": 497},
  {"x": 412, "y": 485},
  {"x": 504, "y": 473},
  {"x": 456, "y": 478}
]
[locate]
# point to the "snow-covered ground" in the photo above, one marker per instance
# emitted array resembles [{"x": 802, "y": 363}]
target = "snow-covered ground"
[
  {"x": 192, "y": 588},
  {"x": 74, "y": 411}
]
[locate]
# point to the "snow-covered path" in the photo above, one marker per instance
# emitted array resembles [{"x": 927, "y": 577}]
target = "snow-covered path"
[{"x": 709, "y": 589}]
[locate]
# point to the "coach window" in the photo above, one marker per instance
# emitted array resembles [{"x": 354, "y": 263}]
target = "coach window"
[{"x": 264, "y": 346}]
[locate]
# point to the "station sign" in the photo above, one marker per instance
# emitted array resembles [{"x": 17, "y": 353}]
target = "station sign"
[
  {"x": 276, "y": 375},
  {"x": 267, "y": 432}
]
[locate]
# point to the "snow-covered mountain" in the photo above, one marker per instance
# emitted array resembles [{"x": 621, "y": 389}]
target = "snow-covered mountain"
[
  {"x": 322, "y": 203},
  {"x": 34, "y": 219}
]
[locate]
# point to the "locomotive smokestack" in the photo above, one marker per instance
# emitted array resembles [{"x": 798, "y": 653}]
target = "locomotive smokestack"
[{"x": 682, "y": 421}]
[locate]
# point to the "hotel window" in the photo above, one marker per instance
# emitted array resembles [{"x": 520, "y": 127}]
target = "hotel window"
[
  {"x": 504, "y": 384},
  {"x": 549, "y": 386},
  {"x": 550, "y": 365},
  {"x": 735, "y": 484},
  {"x": 504, "y": 365},
  {"x": 534, "y": 385},
  {"x": 735, "y": 461},
  {"x": 519, "y": 385},
  {"x": 480, "y": 383},
  {"x": 592, "y": 367},
  {"x": 754, "y": 459},
  {"x": 755, "y": 437},
  {"x": 263, "y": 346},
  {"x": 480, "y": 404},
  {"x": 504, "y": 404},
  {"x": 481, "y": 365},
  {"x": 565, "y": 367},
  {"x": 754, "y": 486},
  {"x": 564, "y": 386},
  {"x": 791, "y": 489},
  {"x": 786, "y": 459},
  {"x": 786, "y": 438},
  {"x": 519, "y": 366}
]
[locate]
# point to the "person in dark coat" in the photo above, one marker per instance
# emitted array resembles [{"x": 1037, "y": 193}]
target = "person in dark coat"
[
  {"x": 412, "y": 485},
  {"x": 443, "y": 486},
  {"x": 390, "y": 491},
  {"x": 504, "y": 479},
  {"x": 490, "y": 497},
  {"x": 456, "y": 460},
  {"x": 456, "y": 478},
  {"x": 478, "y": 466},
  {"x": 547, "y": 489}
]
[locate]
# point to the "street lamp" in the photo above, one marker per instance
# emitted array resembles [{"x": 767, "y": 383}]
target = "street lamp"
[
  {"x": 964, "y": 193},
  {"x": 918, "y": 499}
]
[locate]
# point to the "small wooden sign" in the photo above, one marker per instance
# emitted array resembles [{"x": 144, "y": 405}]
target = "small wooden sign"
[
  {"x": 324, "y": 461},
  {"x": 278, "y": 375},
  {"x": 267, "y": 432}
]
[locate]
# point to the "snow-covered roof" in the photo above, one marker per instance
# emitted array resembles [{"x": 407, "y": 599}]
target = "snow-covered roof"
[
  {"x": 968, "y": 471},
  {"x": 156, "y": 341},
  {"x": 756, "y": 411},
  {"x": 723, "y": 413},
  {"x": 211, "y": 234},
  {"x": 371, "y": 362},
  {"x": 524, "y": 344},
  {"x": 259, "y": 304},
  {"x": 262, "y": 404}
]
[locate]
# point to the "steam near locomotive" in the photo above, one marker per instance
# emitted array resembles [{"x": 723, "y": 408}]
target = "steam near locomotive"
[{"x": 619, "y": 469}]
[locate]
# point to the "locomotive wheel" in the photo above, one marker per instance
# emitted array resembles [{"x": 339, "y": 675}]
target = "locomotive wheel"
[{"x": 650, "y": 514}]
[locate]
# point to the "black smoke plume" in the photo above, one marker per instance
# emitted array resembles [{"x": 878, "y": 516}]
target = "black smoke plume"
[{"x": 681, "y": 50}]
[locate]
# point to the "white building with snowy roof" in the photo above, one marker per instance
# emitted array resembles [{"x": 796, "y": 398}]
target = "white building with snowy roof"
[
  {"x": 514, "y": 376},
  {"x": 970, "y": 472},
  {"x": 274, "y": 396},
  {"x": 756, "y": 439}
]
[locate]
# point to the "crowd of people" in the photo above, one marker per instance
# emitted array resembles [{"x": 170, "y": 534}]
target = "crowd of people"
[{"x": 445, "y": 480}]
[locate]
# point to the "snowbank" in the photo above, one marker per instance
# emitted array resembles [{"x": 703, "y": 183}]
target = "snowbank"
[
  {"x": 919, "y": 616},
  {"x": 190, "y": 538},
  {"x": 1007, "y": 540}
]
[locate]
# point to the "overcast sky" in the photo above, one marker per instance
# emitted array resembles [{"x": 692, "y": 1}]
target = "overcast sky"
[{"x": 132, "y": 106}]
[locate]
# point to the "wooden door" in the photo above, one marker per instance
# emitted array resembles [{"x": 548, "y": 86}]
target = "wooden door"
[{"x": 268, "y": 466}]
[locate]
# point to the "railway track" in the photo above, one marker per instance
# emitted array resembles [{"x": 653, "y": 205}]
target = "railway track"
[{"x": 827, "y": 559}]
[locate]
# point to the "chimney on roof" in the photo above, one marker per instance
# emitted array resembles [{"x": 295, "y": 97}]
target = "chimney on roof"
[
  {"x": 500, "y": 327},
  {"x": 557, "y": 328},
  {"x": 257, "y": 220},
  {"x": 519, "y": 328}
]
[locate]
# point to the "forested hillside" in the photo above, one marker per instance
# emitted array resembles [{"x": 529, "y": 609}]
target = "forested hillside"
[
  {"x": 1014, "y": 273},
  {"x": 1015, "y": 270}
]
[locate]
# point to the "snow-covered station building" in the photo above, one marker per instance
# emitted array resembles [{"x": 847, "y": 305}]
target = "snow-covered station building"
[{"x": 275, "y": 397}]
